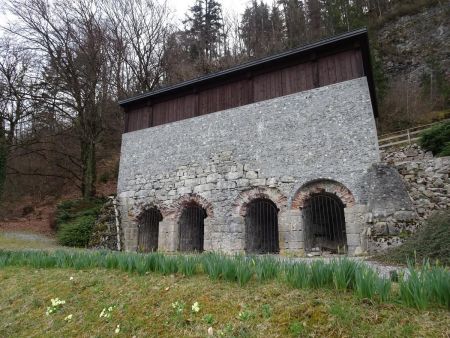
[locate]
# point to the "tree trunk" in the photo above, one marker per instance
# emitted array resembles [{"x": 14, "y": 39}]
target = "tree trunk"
[
  {"x": 89, "y": 169},
  {"x": 3, "y": 162}
]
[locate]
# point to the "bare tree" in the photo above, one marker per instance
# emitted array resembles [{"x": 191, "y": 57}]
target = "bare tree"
[
  {"x": 70, "y": 36},
  {"x": 139, "y": 29},
  {"x": 16, "y": 106}
]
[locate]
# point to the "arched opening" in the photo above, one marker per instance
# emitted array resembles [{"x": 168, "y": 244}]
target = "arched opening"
[
  {"x": 192, "y": 228},
  {"x": 148, "y": 230},
  {"x": 261, "y": 227},
  {"x": 324, "y": 223}
]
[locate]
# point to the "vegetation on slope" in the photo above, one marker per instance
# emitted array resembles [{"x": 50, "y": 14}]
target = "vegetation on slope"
[
  {"x": 437, "y": 139},
  {"x": 158, "y": 305},
  {"x": 431, "y": 242},
  {"x": 75, "y": 221}
]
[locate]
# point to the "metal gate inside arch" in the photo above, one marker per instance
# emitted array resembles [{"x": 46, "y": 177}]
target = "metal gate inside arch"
[
  {"x": 148, "y": 230},
  {"x": 324, "y": 224},
  {"x": 192, "y": 228},
  {"x": 261, "y": 227}
]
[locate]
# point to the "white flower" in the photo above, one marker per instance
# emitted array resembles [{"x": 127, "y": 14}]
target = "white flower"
[
  {"x": 117, "y": 330},
  {"x": 68, "y": 318},
  {"x": 71, "y": 278},
  {"x": 106, "y": 313},
  {"x": 195, "y": 307}
]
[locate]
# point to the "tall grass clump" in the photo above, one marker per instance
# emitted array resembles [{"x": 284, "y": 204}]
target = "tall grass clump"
[
  {"x": 187, "y": 265},
  {"x": 419, "y": 288},
  {"x": 344, "y": 273},
  {"x": 413, "y": 290},
  {"x": 297, "y": 275},
  {"x": 438, "y": 281},
  {"x": 365, "y": 282},
  {"x": 321, "y": 274},
  {"x": 266, "y": 268},
  {"x": 229, "y": 269},
  {"x": 212, "y": 265},
  {"x": 244, "y": 271}
]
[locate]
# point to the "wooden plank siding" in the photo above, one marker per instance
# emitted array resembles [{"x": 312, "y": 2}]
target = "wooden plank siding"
[{"x": 249, "y": 88}]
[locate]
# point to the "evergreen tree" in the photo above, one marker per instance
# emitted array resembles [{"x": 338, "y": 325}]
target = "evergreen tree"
[
  {"x": 314, "y": 14},
  {"x": 204, "y": 27},
  {"x": 256, "y": 29},
  {"x": 295, "y": 21}
]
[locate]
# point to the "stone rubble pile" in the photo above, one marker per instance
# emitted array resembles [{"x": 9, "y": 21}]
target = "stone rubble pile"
[
  {"x": 104, "y": 235},
  {"x": 428, "y": 183},
  {"x": 411, "y": 152}
]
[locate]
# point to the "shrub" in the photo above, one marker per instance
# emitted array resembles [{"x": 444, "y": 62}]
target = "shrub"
[
  {"x": 69, "y": 210},
  {"x": 77, "y": 232},
  {"x": 437, "y": 139},
  {"x": 431, "y": 242}
]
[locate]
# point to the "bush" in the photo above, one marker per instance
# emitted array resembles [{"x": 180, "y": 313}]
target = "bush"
[
  {"x": 431, "y": 242},
  {"x": 437, "y": 139},
  {"x": 77, "y": 232},
  {"x": 69, "y": 210}
]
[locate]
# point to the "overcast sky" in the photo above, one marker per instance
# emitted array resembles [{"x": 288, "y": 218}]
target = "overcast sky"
[{"x": 180, "y": 8}]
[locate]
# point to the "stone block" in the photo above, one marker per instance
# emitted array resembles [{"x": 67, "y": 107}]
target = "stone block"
[
  {"x": 204, "y": 187},
  {"x": 212, "y": 178},
  {"x": 233, "y": 175},
  {"x": 258, "y": 182},
  {"x": 243, "y": 182},
  {"x": 251, "y": 174},
  {"x": 184, "y": 190}
]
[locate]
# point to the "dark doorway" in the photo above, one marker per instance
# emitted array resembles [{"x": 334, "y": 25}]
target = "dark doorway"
[
  {"x": 324, "y": 224},
  {"x": 261, "y": 227},
  {"x": 192, "y": 228},
  {"x": 148, "y": 230}
]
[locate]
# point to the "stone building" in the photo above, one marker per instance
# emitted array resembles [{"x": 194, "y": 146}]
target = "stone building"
[{"x": 275, "y": 155}]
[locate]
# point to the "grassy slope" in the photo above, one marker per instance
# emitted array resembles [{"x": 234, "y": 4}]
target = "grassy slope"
[
  {"x": 26, "y": 241},
  {"x": 143, "y": 308}
]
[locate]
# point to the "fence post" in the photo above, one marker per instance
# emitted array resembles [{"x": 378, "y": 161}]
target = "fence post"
[{"x": 409, "y": 136}]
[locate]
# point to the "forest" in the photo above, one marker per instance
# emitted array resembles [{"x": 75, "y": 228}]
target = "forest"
[{"x": 65, "y": 64}]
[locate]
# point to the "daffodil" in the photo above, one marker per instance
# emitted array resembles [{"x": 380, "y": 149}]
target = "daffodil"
[
  {"x": 68, "y": 318},
  {"x": 117, "y": 330},
  {"x": 195, "y": 307}
]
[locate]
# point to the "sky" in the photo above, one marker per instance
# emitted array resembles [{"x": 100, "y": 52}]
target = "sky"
[{"x": 180, "y": 8}]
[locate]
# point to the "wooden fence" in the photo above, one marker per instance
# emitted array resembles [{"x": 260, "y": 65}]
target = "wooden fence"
[{"x": 403, "y": 137}]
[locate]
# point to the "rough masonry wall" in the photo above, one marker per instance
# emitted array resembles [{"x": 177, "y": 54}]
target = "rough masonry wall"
[{"x": 271, "y": 148}]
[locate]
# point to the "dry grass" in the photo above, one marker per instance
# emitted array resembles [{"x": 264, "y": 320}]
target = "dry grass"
[
  {"x": 26, "y": 241},
  {"x": 142, "y": 307}
]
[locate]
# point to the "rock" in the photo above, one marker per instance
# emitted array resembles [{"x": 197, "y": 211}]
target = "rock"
[{"x": 358, "y": 251}]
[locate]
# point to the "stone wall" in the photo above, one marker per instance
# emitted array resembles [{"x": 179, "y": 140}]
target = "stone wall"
[
  {"x": 275, "y": 149},
  {"x": 427, "y": 183}
]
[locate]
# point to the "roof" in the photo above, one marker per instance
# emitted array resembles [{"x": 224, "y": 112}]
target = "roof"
[{"x": 359, "y": 35}]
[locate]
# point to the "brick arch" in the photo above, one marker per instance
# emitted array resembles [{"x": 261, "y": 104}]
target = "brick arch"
[
  {"x": 244, "y": 198},
  {"x": 184, "y": 201},
  {"x": 318, "y": 186},
  {"x": 138, "y": 209}
]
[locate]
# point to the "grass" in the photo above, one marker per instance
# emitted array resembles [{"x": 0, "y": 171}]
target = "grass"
[
  {"x": 142, "y": 306},
  {"x": 426, "y": 288},
  {"x": 25, "y": 241}
]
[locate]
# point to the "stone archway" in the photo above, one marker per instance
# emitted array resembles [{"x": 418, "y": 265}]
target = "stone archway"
[
  {"x": 321, "y": 206},
  {"x": 322, "y": 186},
  {"x": 190, "y": 217},
  {"x": 245, "y": 205},
  {"x": 244, "y": 198}
]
